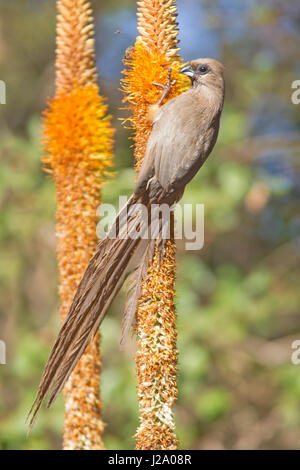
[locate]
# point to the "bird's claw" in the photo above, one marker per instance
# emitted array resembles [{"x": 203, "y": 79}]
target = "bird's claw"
[{"x": 166, "y": 88}]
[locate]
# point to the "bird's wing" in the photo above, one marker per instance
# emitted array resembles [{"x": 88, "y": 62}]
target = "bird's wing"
[{"x": 182, "y": 137}]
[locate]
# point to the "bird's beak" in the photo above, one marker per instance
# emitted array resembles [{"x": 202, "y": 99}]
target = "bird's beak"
[{"x": 188, "y": 70}]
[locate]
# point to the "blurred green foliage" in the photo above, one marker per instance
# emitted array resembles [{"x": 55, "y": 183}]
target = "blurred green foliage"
[{"x": 237, "y": 299}]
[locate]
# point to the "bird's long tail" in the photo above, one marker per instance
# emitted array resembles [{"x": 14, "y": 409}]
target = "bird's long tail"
[{"x": 102, "y": 280}]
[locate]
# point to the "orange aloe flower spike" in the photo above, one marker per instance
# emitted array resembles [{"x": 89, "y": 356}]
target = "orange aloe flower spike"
[
  {"x": 155, "y": 50},
  {"x": 78, "y": 138}
]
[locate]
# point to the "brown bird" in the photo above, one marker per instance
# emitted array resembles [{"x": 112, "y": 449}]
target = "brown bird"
[{"x": 184, "y": 132}]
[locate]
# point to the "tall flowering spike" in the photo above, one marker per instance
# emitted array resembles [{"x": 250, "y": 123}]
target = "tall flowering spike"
[
  {"x": 78, "y": 140},
  {"x": 154, "y": 51}
]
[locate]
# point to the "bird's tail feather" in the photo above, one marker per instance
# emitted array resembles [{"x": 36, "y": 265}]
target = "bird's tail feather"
[
  {"x": 102, "y": 280},
  {"x": 134, "y": 289},
  {"x": 160, "y": 227}
]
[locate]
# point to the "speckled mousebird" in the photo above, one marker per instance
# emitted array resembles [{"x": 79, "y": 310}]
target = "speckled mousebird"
[{"x": 184, "y": 132}]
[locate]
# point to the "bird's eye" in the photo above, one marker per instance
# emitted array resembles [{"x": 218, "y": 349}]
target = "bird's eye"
[{"x": 203, "y": 69}]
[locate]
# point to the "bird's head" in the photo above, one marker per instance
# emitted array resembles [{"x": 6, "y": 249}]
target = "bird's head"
[{"x": 207, "y": 72}]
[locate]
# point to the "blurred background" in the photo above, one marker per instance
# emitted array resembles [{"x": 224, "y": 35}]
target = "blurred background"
[{"x": 238, "y": 299}]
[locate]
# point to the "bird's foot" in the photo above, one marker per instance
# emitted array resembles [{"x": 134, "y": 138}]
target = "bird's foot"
[{"x": 166, "y": 88}]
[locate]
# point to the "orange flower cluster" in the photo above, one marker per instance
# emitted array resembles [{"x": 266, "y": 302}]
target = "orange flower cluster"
[
  {"x": 78, "y": 134},
  {"x": 145, "y": 66},
  {"x": 154, "y": 52},
  {"x": 78, "y": 139}
]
